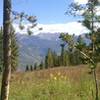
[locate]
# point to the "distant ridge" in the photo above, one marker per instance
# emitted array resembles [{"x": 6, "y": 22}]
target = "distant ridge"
[{"x": 34, "y": 48}]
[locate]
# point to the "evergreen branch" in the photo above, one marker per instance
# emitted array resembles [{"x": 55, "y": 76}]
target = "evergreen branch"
[{"x": 85, "y": 55}]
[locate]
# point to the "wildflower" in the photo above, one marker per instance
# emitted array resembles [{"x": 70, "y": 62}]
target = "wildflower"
[{"x": 55, "y": 78}]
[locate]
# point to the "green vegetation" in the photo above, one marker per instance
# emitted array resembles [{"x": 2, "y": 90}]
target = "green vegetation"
[
  {"x": 66, "y": 58},
  {"x": 49, "y": 59},
  {"x": 90, "y": 53},
  {"x": 14, "y": 50},
  {"x": 63, "y": 83},
  {"x": 74, "y": 83}
]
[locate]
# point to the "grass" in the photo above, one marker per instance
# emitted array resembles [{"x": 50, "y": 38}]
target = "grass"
[{"x": 73, "y": 83}]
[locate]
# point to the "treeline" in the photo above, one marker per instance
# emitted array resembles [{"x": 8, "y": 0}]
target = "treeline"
[{"x": 66, "y": 57}]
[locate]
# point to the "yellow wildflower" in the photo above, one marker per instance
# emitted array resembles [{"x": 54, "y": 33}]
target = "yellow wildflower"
[{"x": 55, "y": 78}]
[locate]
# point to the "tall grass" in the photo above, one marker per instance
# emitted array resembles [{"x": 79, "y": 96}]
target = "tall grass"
[{"x": 53, "y": 84}]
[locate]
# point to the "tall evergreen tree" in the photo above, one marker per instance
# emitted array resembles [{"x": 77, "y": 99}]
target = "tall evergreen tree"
[
  {"x": 35, "y": 66},
  {"x": 76, "y": 57},
  {"x": 49, "y": 59},
  {"x": 31, "y": 68},
  {"x": 62, "y": 54},
  {"x": 27, "y": 68},
  {"x": 66, "y": 58},
  {"x": 58, "y": 61},
  {"x": 71, "y": 59},
  {"x": 91, "y": 51},
  {"x": 41, "y": 66},
  {"x": 46, "y": 63},
  {"x": 55, "y": 59},
  {"x": 14, "y": 51}
]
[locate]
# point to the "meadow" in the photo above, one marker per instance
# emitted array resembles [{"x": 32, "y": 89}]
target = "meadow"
[{"x": 62, "y": 83}]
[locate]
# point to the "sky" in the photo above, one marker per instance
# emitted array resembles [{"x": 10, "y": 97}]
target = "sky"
[
  {"x": 50, "y": 13},
  {"x": 47, "y": 11}
]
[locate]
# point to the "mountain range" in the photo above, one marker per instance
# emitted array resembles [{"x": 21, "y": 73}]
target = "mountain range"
[{"x": 32, "y": 49}]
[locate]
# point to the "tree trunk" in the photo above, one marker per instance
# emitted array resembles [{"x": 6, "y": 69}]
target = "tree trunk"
[
  {"x": 96, "y": 85},
  {"x": 6, "y": 49}
]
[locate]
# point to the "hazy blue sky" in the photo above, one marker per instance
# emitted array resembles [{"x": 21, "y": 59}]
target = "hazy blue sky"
[
  {"x": 47, "y": 11},
  {"x": 50, "y": 14}
]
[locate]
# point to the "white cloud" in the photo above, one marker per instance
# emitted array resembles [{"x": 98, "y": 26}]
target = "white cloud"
[
  {"x": 71, "y": 28},
  {"x": 97, "y": 10},
  {"x": 81, "y": 1}
]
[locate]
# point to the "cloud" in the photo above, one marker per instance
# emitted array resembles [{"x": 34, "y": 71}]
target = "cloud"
[
  {"x": 97, "y": 8},
  {"x": 71, "y": 28},
  {"x": 81, "y": 1}
]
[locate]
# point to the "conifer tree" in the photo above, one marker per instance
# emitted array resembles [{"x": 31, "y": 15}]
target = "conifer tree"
[
  {"x": 49, "y": 59},
  {"x": 62, "y": 54},
  {"x": 91, "y": 51},
  {"x": 41, "y": 66},
  {"x": 59, "y": 60},
  {"x": 46, "y": 64},
  {"x": 35, "y": 66},
  {"x": 55, "y": 59},
  {"x": 66, "y": 58},
  {"x": 76, "y": 58},
  {"x": 14, "y": 51},
  {"x": 27, "y": 68},
  {"x": 31, "y": 67},
  {"x": 70, "y": 56}
]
